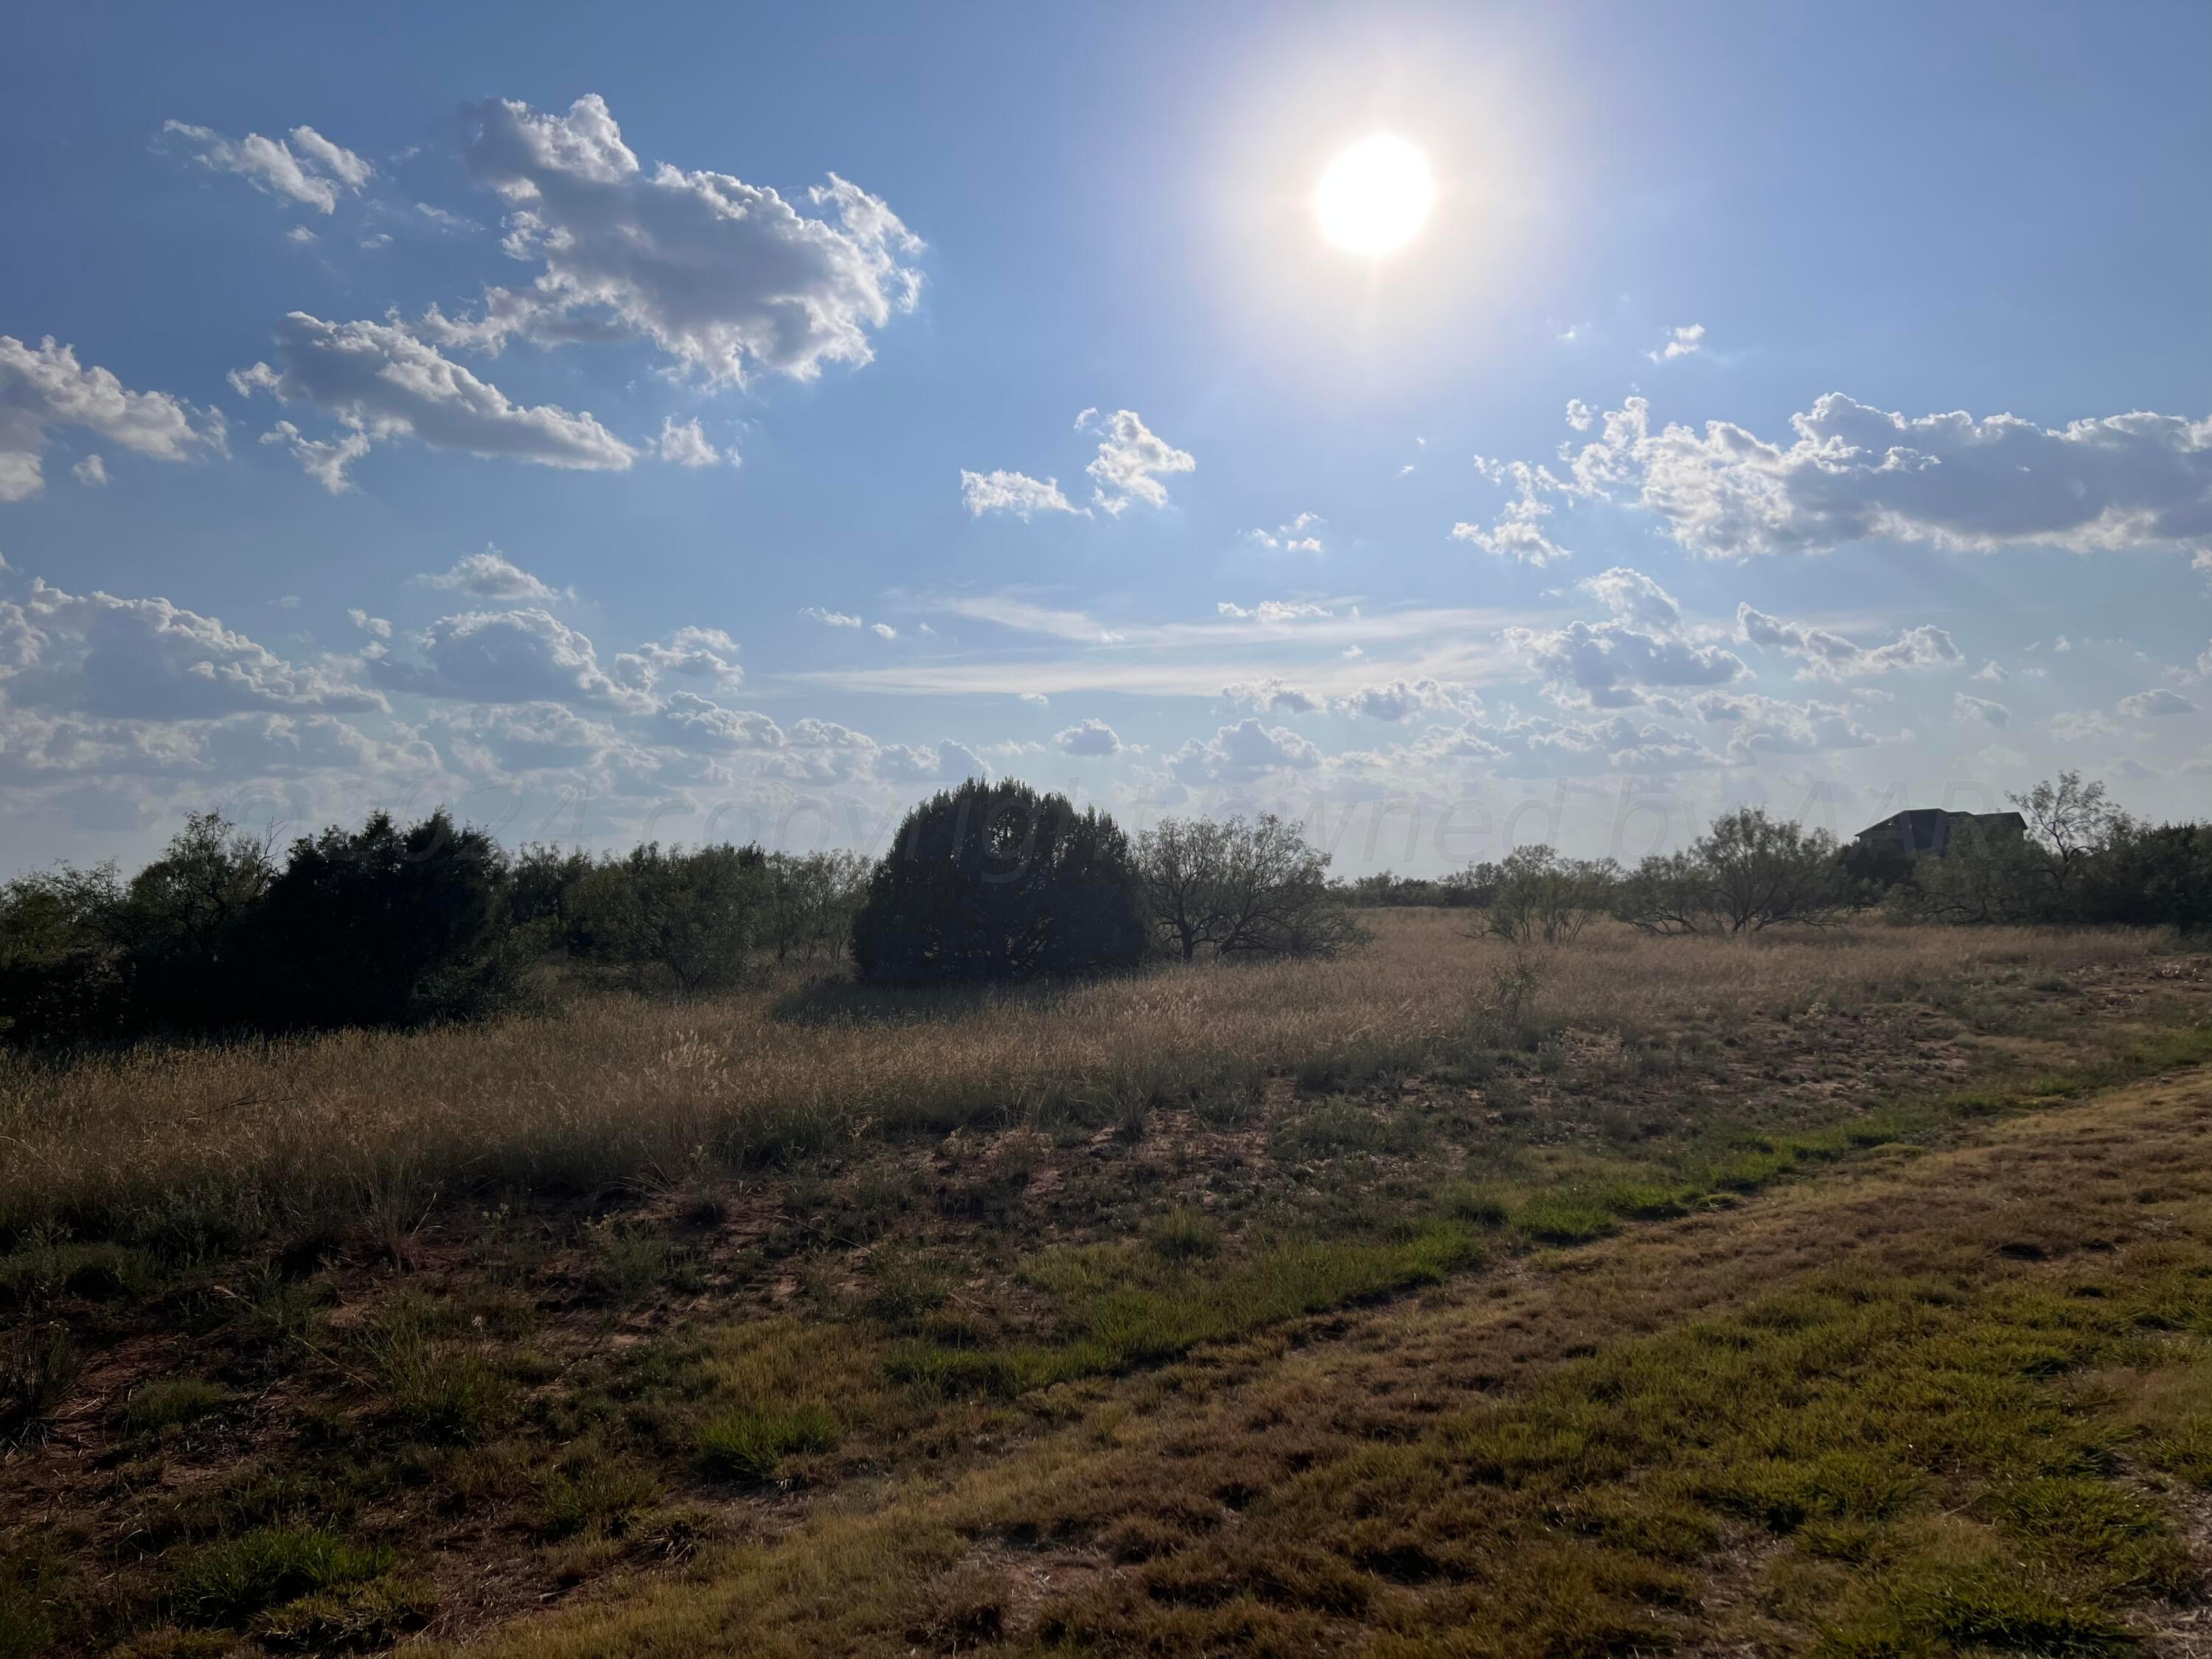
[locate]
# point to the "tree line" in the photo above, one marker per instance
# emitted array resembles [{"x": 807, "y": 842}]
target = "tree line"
[
  {"x": 393, "y": 925},
  {"x": 2077, "y": 860},
  {"x": 227, "y": 934}
]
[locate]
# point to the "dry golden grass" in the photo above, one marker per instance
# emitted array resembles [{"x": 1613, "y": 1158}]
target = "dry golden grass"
[
  {"x": 1953, "y": 1405},
  {"x": 192, "y": 1149},
  {"x": 802, "y": 1287}
]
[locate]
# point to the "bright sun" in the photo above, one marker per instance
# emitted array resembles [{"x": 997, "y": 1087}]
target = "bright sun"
[{"x": 1373, "y": 196}]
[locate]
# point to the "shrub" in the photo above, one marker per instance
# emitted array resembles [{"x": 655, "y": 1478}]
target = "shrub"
[
  {"x": 381, "y": 927},
  {"x": 2149, "y": 876},
  {"x": 2082, "y": 860},
  {"x": 1240, "y": 887},
  {"x": 685, "y": 920},
  {"x": 1745, "y": 874},
  {"x": 1458, "y": 891},
  {"x": 813, "y": 900},
  {"x": 183, "y": 921},
  {"x": 1981, "y": 877},
  {"x": 1536, "y": 894},
  {"x": 995, "y": 882},
  {"x": 543, "y": 898},
  {"x": 61, "y": 971}
]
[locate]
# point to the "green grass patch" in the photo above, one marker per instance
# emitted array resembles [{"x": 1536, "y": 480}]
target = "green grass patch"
[
  {"x": 1921, "y": 1440},
  {"x": 440, "y": 1390},
  {"x": 749, "y": 1442},
  {"x": 1645, "y": 1201},
  {"x": 1184, "y": 1236},
  {"x": 43, "y": 1270},
  {"x": 1328, "y": 1130},
  {"x": 1476, "y": 1206},
  {"x": 228, "y": 1582},
  {"x": 349, "y": 1617},
  {"x": 599, "y": 1494},
  {"x": 1127, "y": 1308},
  {"x": 630, "y": 1269},
  {"x": 1562, "y": 1218},
  {"x": 174, "y": 1402}
]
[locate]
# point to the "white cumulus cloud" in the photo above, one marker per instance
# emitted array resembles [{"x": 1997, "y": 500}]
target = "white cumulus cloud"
[
  {"x": 1241, "y": 753},
  {"x": 708, "y": 654},
  {"x": 148, "y": 659},
  {"x": 491, "y": 575},
  {"x": 1089, "y": 738},
  {"x": 1518, "y": 533},
  {"x": 691, "y": 721},
  {"x": 1272, "y": 695},
  {"x": 1684, "y": 342},
  {"x": 1132, "y": 460},
  {"x": 44, "y": 386},
  {"x": 1011, "y": 492},
  {"x": 506, "y": 656},
  {"x": 1855, "y": 473},
  {"x": 1296, "y": 537},
  {"x": 1829, "y": 656},
  {"x": 307, "y": 167},
  {"x": 726, "y": 278},
  {"x": 1400, "y": 700},
  {"x": 687, "y": 445},
  {"x": 1615, "y": 664},
  {"x": 381, "y": 381},
  {"x": 2156, "y": 704},
  {"x": 1759, "y": 725}
]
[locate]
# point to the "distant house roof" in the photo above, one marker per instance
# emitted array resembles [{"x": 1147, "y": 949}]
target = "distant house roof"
[{"x": 1927, "y": 828}]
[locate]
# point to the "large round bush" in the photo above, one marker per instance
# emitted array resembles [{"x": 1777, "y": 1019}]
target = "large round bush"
[{"x": 995, "y": 881}]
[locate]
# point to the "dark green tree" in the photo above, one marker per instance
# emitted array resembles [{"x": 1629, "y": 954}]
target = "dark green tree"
[
  {"x": 383, "y": 925},
  {"x": 994, "y": 881}
]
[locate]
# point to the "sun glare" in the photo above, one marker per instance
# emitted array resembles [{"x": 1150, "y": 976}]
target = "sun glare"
[{"x": 1373, "y": 196}]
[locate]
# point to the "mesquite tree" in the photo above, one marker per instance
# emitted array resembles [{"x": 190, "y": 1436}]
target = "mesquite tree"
[
  {"x": 1240, "y": 887},
  {"x": 1745, "y": 874}
]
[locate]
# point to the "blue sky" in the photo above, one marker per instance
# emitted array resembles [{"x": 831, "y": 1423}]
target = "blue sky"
[{"x": 691, "y": 423}]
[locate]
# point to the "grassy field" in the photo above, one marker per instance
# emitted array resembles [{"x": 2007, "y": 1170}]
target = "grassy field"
[{"x": 1435, "y": 1299}]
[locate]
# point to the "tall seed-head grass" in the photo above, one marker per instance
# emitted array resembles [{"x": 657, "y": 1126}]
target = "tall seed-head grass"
[{"x": 199, "y": 1150}]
